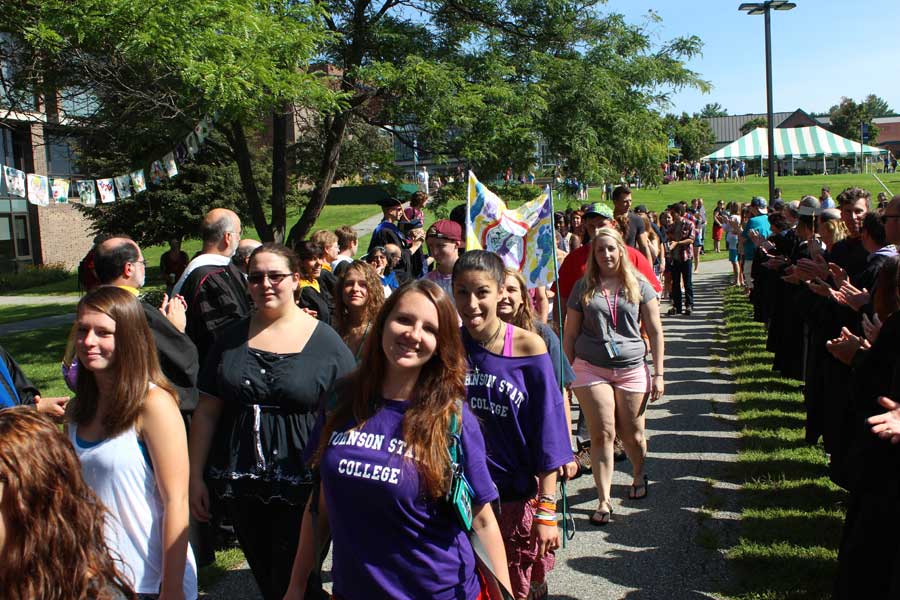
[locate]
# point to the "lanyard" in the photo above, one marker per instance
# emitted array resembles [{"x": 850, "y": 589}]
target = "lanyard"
[{"x": 613, "y": 315}]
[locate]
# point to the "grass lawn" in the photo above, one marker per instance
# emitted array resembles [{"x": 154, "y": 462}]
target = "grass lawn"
[
  {"x": 39, "y": 353},
  {"x": 792, "y": 514},
  {"x": 23, "y": 312}
]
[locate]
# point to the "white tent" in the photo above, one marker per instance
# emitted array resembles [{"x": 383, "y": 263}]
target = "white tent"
[{"x": 793, "y": 142}]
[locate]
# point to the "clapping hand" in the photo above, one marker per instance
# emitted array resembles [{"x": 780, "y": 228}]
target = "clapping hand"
[
  {"x": 844, "y": 348},
  {"x": 819, "y": 287},
  {"x": 851, "y": 296},
  {"x": 887, "y": 424},
  {"x": 790, "y": 275},
  {"x": 817, "y": 267},
  {"x": 871, "y": 327},
  {"x": 838, "y": 274}
]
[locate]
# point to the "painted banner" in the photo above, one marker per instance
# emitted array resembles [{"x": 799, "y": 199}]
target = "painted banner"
[
  {"x": 87, "y": 192},
  {"x": 15, "y": 181},
  {"x": 169, "y": 164},
  {"x": 522, "y": 237},
  {"x": 38, "y": 189},
  {"x": 60, "y": 190},
  {"x": 123, "y": 186},
  {"x": 107, "y": 191},
  {"x": 137, "y": 181},
  {"x": 157, "y": 172}
]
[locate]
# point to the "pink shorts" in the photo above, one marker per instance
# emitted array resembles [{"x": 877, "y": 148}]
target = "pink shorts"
[{"x": 635, "y": 379}]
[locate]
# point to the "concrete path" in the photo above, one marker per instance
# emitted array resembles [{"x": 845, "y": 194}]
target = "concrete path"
[
  {"x": 14, "y": 300},
  {"x": 39, "y": 323},
  {"x": 667, "y": 546}
]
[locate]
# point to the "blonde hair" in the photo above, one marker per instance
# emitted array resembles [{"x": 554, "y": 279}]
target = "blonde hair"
[
  {"x": 524, "y": 317},
  {"x": 837, "y": 229},
  {"x": 624, "y": 270}
]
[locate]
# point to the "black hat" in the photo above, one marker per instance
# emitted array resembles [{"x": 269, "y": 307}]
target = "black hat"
[
  {"x": 641, "y": 209},
  {"x": 389, "y": 202}
]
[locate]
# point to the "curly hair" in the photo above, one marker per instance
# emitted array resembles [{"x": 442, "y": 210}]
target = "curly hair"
[
  {"x": 441, "y": 384},
  {"x": 374, "y": 300},
  {"x": 135, "y": 364},
  {"x": 55, "y": 548}
]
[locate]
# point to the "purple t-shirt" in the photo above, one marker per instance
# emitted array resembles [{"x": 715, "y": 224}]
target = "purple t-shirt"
[
  {"x": 522, "y": 416},
  {"x": 389, "y": 540}
]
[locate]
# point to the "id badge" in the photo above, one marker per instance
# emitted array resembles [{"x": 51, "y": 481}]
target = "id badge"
[
  {"x": 461, "y": 500},
  {"x": 612, "y": 349}
]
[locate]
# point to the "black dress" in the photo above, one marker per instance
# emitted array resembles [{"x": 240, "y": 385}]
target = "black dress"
[{"x": 270, "y": 403}]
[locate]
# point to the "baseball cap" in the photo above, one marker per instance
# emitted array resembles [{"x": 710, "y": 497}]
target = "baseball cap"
[
  {"x": 759, "y": 202},
  {"x": 445, "y": 229},
  {"x": 598, "y": 209}
]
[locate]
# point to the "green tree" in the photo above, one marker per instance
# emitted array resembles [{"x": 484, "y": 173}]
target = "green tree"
[
  {"x": 754, "y": 124},
  {"x": 848, "y": 116},
  {"x": 713, "y": 110},
  {"x": 692, "y": 134},
  {"x": 878, "y": 107}
]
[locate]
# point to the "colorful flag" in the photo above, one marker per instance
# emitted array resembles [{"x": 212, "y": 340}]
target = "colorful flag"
[
  {"x": 15, "y": 181},
  {"x": 123, "y": 186},
  {"x": 522, "y": 237},
  {"x": 169, "y": 164},
  {"x": 87, "y": 193},
  {"x": 60, "y": 190},
  {"x": 107, "y": 192},
  {"x": 137, "y": 181},
  {"x": 157, "y": 172},
  {"x": 190, "y": 142},
  {"x": 38, "y": 189},
  {"x": 202, "y": 129}
]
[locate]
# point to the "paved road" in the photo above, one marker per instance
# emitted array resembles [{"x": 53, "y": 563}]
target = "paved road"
[{"x": 667, "y": 546}]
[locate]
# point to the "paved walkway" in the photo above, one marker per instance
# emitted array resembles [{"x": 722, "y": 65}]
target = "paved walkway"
[{"x": 667, "y": 546}]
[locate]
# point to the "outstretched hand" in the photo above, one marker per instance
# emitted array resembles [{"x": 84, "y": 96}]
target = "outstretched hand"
[{"x": 887, "y": 424}]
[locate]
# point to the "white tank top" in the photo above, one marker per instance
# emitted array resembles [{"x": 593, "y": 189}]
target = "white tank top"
[{"x": 119, "y": 473}]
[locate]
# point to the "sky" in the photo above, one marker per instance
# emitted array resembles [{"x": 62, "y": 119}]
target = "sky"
[{"x": 821, "y": 50}]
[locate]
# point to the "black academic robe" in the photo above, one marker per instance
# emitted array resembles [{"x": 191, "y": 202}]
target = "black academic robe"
[
  {"x": 178, "y": 357},
  {"x": 216, "y": 295}
]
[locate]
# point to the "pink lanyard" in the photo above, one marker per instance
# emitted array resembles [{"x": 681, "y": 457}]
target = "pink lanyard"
[{"x": 613, "y": 315}]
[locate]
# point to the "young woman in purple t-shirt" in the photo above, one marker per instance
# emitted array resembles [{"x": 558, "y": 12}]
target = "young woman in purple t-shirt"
[
  {"x": 512, "y": 389},
  {"x": 383, "y": 455}
]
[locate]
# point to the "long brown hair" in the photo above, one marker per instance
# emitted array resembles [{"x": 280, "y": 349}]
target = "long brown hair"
[
  {"x": 524, "y": 317},
  {"x": 135, "y": 364},
  {"x": 55, "y": 548},
  {"x": 440, "y": 386},
  {"x": 374, "y": 298}
]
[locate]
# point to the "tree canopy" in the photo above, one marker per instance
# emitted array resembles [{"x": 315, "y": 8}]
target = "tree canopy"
[
  {"x": 848, "y": 116},
  {"x": 713, "y": 109},
  {"x": 753, "y": 124},
  {"x": 692, "y": 134},
  {"x": 468, "y": 79}
]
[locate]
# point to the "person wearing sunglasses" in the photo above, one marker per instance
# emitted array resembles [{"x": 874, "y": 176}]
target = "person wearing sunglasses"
[
  {"x": 260, "y": 389},
  {"x": 378, "y": 258}
]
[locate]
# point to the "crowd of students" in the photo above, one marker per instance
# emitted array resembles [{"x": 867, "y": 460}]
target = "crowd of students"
[
  {"x": 826, "y": 282},
  {"x": 411, "y": 407}
]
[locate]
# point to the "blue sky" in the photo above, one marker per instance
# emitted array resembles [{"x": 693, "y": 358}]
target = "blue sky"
[{"x": 821, "y": 50}]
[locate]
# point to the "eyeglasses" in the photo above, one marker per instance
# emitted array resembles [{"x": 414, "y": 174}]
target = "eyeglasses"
[
  {"x": 884, "y": 218},
  {"x": 274, "y": 278},
  {"x": 142, "y": 261}
]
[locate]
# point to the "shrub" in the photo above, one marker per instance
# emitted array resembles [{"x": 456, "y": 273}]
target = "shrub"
[{"x": 33, "y": 276}]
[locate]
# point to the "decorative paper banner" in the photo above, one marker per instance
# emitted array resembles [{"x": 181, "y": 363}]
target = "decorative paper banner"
[
  {"x": 522, "y": 237},
  {"x": 137, "y": 181},
  {"x": 157, "y": 172},
  {"x": 15, "y": 181},
  {"x": 202, "y": 129},
  {"x": 190, "y": 142},
  {"x": 38, "y": 189},
  {"x": 87, "y": 192},
  {"x": 169, "y": 164},
  {"x": 123, "y": 186},
  {"x": 107, "y": 194},
  {"x": 60, "y": 190}
]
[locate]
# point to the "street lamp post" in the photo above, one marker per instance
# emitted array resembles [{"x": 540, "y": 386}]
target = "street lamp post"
[{"x": 765, "y": 8}]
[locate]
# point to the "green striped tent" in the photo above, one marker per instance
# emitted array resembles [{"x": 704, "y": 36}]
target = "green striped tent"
[{"x": 797, "y": 142}]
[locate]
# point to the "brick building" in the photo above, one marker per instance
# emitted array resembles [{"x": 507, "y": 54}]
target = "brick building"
[{"x": 32, "y": 141}]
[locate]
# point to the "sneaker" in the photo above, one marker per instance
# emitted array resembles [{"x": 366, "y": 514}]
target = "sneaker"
[
  {"x": 687, "y": 311},
  {"x": 673, "y": 311}
]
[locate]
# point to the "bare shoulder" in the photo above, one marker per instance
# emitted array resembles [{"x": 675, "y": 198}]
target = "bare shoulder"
[
  {"x": 159, "y": 407},
  {"x": 526, "y": 343}
]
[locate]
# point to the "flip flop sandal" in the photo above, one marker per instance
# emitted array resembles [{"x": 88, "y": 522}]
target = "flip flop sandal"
[
  {"x": 635, "y": 489},
  {"x": 601, "y": 517}
]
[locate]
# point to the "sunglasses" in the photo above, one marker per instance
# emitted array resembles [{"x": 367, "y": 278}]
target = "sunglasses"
[{"x": 274, "y": 278}]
